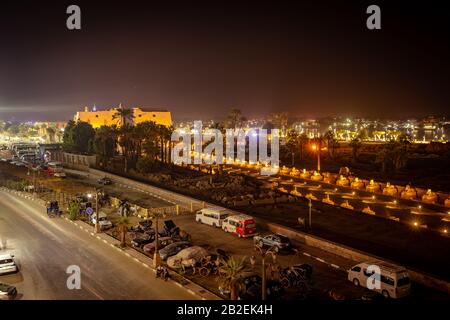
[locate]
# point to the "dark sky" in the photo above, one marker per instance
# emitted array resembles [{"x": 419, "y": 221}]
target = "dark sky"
[{"x": 198, "y": 59}]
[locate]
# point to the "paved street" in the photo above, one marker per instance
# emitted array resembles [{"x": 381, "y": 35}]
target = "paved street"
[{"x": 45, "y": 247}]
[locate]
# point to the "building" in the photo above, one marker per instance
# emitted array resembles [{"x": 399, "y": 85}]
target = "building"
[{"x": 108, "y": 118}]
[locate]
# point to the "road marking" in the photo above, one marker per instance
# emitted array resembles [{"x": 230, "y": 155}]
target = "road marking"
[
  {"x": 319, "y": 259},
  {"x": 334, "y": 266},
  {"x": 306, "y": 254}
]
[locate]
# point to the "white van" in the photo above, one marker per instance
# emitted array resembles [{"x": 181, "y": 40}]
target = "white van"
[
  {"x": 394, "y": 280},
  {"x": 212, "y": 216}
]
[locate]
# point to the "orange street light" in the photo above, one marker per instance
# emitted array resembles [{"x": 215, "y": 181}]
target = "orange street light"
[{"x": 317, "y": 149}]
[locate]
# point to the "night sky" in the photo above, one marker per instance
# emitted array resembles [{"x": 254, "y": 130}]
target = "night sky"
[{"x": 198, "y": 59}]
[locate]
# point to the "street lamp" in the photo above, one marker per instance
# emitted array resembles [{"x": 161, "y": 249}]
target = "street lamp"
[
  {"x": 264, "y": 253},
  {"x": 316, "y": 148},
  {"x": 156, "y": 255},
  {"x": 97, "y": 225},
  {"x": 310, "y": 209}
]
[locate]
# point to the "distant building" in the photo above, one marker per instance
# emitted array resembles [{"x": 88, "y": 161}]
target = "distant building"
[{"x": 107, "y": 117}]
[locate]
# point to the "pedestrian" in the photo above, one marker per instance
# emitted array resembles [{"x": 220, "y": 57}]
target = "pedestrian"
[
  {"x": 273, "y": 270},
  {"x": 274, "y": 258},
  {"x": 165, "y": 273},
  {"x": 253, "y": 262}
]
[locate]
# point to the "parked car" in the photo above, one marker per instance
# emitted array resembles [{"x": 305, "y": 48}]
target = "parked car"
[
  {"x": 276, "y": 241},
  {"x": 104, "y": 181},
  {"x": 173, "y": 249},
  {"x": 187, "y": 256},
  {"x": 212, "y": 216},
  {"x": 394, "y": 280},
  {"x": 8, "y": 264},
  {"x": 142, "y": 226},
  {"x": 102, "y": 220},
  {"x": 149, "y": 248},
  {"x": 142, "y": 239},
  {"x": 242, "y": 225},
  {"x": 170, "y": 229},
  {"x": 7, "y": 292}
]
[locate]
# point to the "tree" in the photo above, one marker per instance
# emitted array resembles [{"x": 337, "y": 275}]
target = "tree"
[
  {"x": 393, "y": 155},
  {"x": 122, "y": 227},
  {"x": 356, "y": 145},
  {"x": 303, "y": 140},
  {"x": 83, "y": 134},
  {"x": 50, "y": 134},
  {"x": 74, "y": 209},
  {"x": 13, "y": 130},
  {"x": 126, "y": 143},
  {"x": 145, "y": 164},
  {"x": 331, "y": 143},
  {"x": 231, "y": 271},
  {"x": 280, "y": 120},
  {"x": 68, "y": 137},
  {"x": 384, "y": 158},
  {"x": 292, "y": 144},
  {"x": 363, "y": 134},
  {"x": 104, "y": 143},
  {"x": 235, "y": 118},
  {"x": 123, "y": 115}
]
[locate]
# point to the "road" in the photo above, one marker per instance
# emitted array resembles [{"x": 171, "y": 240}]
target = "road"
[{"x": 44, "y": 248}]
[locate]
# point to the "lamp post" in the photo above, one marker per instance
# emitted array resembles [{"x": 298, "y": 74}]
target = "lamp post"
[
  {"x": 316, "y": 148},
  {"x": 264, "y": 253},
  {"x": 97, "y": 225},
  {"x": 156, "y": 256},
  {"x": 310, "y": 209}
]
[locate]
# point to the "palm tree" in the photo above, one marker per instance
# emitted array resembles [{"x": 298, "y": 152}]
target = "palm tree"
[
  {"x": 331, "y": 142},
  {"x": 292, "y": 144},
  {"x": 231, "y": 271},
  {"x": 280, "y": 120},
  {"x": 235, "y": 118},
  {"x": 302, "y": 140},
  {"x": 399, "y": 156},
  {"x": 126, "y": 143},
  {"x": 50, "y": 133},
  {"x": 105, "y": 143},
  {"x": 123, "y": 115},
  {"x": 122, "y": 227},
  {"x": 356, "y": 145},
  {"x": 384, "y": 158}
]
